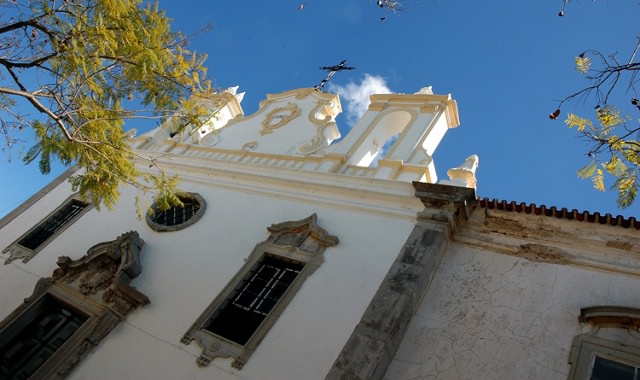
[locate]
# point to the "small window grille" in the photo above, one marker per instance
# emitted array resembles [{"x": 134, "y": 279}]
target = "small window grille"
[
  {"x": 177, "y": 215},
  {"x": 53, "y": 224},
  {"x": 254, "y": 299}
]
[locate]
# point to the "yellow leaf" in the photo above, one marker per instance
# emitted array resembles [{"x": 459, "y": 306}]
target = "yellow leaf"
[
  {"x": 577, "y": 121},
  {"x": 583, "y": 64},
  {"x": 598, "y": 180},
  {"x": 588, "y": 170}
]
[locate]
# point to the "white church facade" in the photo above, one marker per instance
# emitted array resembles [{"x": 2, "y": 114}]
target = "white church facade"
[{"x": 299, "y": 257}]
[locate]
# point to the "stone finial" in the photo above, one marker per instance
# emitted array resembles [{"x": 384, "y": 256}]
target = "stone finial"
[
  {"x": 234, "y": 91},
  {"x": 463, "y": 175},
  {"x": 425, "y": 91}
]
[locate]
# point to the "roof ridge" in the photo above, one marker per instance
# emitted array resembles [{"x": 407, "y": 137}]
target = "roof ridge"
[{"x": 563, "y": 213}]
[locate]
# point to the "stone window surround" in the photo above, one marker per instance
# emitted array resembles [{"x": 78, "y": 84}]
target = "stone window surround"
[
  {"x": 16, "y": 251},
  {"x": 97, "y": 286},
  {"x": 303, "y": 241},
  {"x": 195, "y": 197},
  {"x": 615, "y": 336}
]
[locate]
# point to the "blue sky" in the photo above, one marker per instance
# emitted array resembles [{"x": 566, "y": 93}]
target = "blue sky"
[{"x": 507, "y": 63}]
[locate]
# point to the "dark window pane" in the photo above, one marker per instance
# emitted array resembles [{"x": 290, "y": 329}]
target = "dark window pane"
[
  {"x": 253, "y": 299},
  {"x": 32, "y": 339},
  {"x": 605, "y": 369},
  {"x": 52, "y": 224}
]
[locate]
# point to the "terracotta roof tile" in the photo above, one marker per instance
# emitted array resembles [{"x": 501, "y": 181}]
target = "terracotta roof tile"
[{"x": 563, "y": 213}]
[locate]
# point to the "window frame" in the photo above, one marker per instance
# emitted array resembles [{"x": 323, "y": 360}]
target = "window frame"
[
  {"x": 17, "y": 251},
  {"x": 195, "y": 197},
  {"x": 61, "y": 360},
  {"x": 301, "y": 241},
  {"x": 89, "y": 287},
  {"x": 615, "y": 335}
]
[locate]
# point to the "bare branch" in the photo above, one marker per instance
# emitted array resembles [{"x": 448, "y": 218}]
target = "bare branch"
[{"x": 40, "y": 107}]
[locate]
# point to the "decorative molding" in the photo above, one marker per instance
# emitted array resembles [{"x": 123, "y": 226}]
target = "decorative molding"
[
  {"x": 614, "y": 335},
  {"x": 107, "y": 268},
  {"x": 322, "y": 115},
  {"x": 279, "y": 117},
  {"x": 611, "y": 316},
  {"x": 304, "y": 92},
  {"x": 96, "y": 285},
  {"x": 251, "y": 145},
  {"x": 281, "y": 233},
  {"x": 302, "y": 241}
]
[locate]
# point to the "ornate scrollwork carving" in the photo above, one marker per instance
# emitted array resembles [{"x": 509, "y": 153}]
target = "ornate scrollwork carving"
[
  {"x": 107, "y": 267},
  {"x": 103, "y": 275},
  {"x": 279, "y": 117},
  {"x": 322, "y": 115}
]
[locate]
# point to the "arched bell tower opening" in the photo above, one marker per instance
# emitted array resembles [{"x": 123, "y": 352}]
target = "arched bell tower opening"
[{"x": 381, "y": 138}]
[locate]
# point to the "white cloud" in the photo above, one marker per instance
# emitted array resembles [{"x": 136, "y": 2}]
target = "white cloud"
[{"x": 356, "y": 96}]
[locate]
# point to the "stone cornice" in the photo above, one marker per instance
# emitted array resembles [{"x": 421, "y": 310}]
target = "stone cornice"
[
  {"x": 445, "y": 203},
  {"x": 538, "y": 237}
]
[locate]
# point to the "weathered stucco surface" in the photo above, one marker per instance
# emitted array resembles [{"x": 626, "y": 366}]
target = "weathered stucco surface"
[{"x": 493, "y": 316}]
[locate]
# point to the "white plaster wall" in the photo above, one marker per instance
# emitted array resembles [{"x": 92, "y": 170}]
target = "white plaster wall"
[
  {"x": 492, "y": 316},
  {"x": 17, "y": 279},
  {"x": 183, "y": 271}
]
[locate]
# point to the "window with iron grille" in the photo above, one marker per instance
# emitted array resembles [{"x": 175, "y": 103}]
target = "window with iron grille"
[
  {"x": 246, "y": 309},
  {"x": 37, "y": 335},
  {"x": 43, "y": 231},
  {"x": 177, "y": 217},
  {"x": 29, "y": 244},
  {"x": 254, "y": 299}
]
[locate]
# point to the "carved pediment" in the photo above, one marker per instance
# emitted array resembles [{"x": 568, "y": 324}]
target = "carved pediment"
[
  {"x": 95, "y": 289},
  {"x": 295, "y": 233},
  {"x": 105, "y": 271},
  {"x": 301, "y": 242}
]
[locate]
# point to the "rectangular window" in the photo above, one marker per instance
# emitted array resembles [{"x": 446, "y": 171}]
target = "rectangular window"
[
  {"x": 35, "y": 336},
  {"x": 52, "y": 224},
  {"x": 254, "y": 298},
  {"x": 242, "y": 314},
  {"x": 605, "y": 369}
]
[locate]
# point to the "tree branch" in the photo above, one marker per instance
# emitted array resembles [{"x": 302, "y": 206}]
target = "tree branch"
[{"x": 40, "y": 107}]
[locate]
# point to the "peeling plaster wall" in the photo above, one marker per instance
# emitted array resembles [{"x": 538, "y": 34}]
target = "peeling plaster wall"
[{"x": 492, "y": 316}]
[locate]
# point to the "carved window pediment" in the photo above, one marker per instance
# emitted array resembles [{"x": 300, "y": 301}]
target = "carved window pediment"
[
  {"x": 90, "y": 296},
  {"x": 291, "y": 253},
  {"x": 612, "y": 348}
]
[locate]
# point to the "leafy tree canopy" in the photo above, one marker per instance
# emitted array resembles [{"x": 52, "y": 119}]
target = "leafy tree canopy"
[
  {"x": 86, "y": 66},
  {"x": 613, "y": 137}
]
